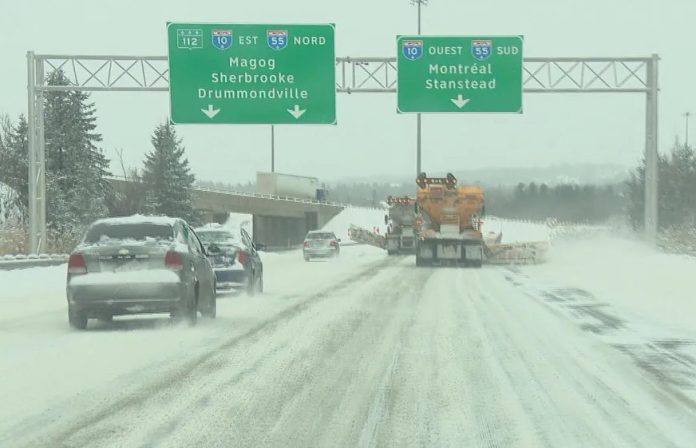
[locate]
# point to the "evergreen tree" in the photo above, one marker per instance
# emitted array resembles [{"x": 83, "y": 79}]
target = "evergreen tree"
[
  {"x": 76, "y": 190},
  {"x": 676, "y": 189},
  {"x": 14, "y": 170},
  {"x": 167, "y": 176}
]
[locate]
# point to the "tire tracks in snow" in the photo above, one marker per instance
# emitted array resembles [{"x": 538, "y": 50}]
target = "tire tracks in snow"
[
  {"x": 666, "y": 359},
  {"x": 57, "y": 433},
  {"x": 320, "y": 390},
  {"x": 612, "y": 405}
]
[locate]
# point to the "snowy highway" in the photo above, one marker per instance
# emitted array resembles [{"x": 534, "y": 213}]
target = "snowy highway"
[{"x": 366, "y": 350}]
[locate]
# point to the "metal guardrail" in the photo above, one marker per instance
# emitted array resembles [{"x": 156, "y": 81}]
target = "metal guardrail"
[
  {"x": 270, "y": 196},
  {"x": 8, "y": 263}
]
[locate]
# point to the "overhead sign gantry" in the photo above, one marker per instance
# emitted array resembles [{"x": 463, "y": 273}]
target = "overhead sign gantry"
[
  {"x": 252, "y": 74},
  {"x": 460, "y": 73}
]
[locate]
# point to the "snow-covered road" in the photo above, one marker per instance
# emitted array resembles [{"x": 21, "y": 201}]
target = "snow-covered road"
[{"x": 366, "y": 350}]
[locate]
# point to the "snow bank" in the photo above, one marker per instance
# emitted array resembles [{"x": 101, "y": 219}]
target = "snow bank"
[
  {"x": 367, "y": 218},
  {"x": 24, "y": 292},
  {"x": 517, "y": 231}
]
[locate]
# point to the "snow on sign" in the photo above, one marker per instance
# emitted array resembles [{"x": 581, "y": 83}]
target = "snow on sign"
[
  {"x": 252, "y": 74},
  {"x": 459, "y": 74}
]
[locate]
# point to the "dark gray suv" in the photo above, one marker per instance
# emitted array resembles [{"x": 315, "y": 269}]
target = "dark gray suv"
[{"x": 139, "y": 264}]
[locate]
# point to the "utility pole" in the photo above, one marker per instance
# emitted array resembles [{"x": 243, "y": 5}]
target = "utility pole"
[
  {"x": 272, "y": 149},
  {"x": 419, "y": 3},
  {"x": 686, "y": 133}
]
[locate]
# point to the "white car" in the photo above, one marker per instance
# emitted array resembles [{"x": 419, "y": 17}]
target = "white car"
[{"x": 321, "y": 244}]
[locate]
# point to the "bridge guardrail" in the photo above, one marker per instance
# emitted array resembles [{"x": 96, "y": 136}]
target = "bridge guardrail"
[{"x": 198, "y": 187}]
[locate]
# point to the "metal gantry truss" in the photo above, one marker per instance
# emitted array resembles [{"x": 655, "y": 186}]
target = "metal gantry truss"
[{"x": 353, "y": 75}]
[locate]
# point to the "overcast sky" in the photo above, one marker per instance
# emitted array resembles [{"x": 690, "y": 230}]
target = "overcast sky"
[{"x": 371, "y": 138}]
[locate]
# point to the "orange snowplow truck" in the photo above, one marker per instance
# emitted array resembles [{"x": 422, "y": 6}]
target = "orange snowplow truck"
[{"x": 450, "y": 222}]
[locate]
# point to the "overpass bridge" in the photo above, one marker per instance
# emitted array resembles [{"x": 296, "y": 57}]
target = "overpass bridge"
[{"x": 278, "y": 221}]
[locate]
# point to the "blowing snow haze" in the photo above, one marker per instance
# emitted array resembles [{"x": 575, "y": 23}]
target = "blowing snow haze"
[
  {"x": 532, "y": 286},
  {"x": 371, "y": 139}
]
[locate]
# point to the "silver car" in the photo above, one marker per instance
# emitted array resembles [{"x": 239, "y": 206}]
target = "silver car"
[
  {"x": 321, "y": 244},
  {"x": 139, "y": 264}
]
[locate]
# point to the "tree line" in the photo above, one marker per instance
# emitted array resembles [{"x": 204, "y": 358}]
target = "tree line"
[
  {"x": 77, "y": 187},
  {"x": 565, "y": 202},
  {"x": 676, "y": 190}
]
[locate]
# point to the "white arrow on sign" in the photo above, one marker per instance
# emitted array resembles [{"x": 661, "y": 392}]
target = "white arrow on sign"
[
  {"x": 297, "y": 112},
  {"x": 210, "y": 111},
  {"x": 460, "y": 101}
]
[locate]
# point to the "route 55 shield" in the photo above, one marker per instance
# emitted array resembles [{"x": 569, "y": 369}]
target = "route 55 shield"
[
  {"x": 481, "y": 49},
  {"x": 277, "y": 39},
  {"x": 222, "y": 39},
  {"x": 412, "y": 49}
]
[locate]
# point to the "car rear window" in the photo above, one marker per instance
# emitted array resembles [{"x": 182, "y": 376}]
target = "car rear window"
[
  {"x": 137, "y": 232},
  {"x": 320, "y": 236},
  {"x": 218, "y": 236}
]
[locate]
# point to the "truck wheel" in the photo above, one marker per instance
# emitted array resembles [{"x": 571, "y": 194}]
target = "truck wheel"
[{"x": 77, "y": 319}]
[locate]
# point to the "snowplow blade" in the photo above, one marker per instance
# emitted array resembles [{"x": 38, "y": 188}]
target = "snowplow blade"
[
  {"x": 516, "y": 253},
  {"x": 364, "y": 236}
]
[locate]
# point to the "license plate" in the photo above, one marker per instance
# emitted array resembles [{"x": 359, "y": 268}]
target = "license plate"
[{"x": 129, "y": 266}]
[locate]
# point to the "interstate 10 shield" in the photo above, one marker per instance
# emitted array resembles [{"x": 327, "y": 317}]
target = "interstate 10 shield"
[
  {"x": 412, "y": 49},
  {"x": 222, "y": 39}
]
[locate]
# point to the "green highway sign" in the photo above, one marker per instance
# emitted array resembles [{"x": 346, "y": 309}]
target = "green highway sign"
[
  {"x": 252, "y": 74},
  {"x": 459, "y": 74}
]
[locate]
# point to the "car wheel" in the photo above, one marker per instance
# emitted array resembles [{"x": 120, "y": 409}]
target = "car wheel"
[
  {"x": 260, "y": 288},
  {"x": 77, "y": 319},
  {"x": 192, "y": 315},
  {"x": 188, "y": 311},
  {"x": 251, "y": 284},
  {"x": 210, "y": 311},
  {"x": 306, "y": 258}
]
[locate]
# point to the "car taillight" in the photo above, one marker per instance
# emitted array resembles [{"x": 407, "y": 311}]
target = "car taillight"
[
  {"x": 242, "y": 256},
  {"x": 77, "y": 264},
  {"x": 174, "y": 261},
  {"x": 306, "y": 244},
  {"x": 334, "y": 243}
]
